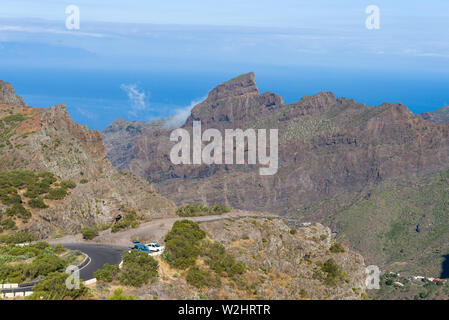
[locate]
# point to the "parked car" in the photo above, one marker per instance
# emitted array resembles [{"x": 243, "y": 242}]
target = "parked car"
[
  {"x": 140, "y": 247},
  {"x": 155, "y": 247}
]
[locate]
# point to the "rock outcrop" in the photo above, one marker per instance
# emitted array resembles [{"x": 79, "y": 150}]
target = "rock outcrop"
[
  {"x": 47, "y": 140},
  {"x": 439, "y": 116},
  {"x": 280, "y": 264},
  {"x": 8, "y": 96}
]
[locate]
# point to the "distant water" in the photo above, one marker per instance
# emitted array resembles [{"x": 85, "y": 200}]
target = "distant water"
[{"x": 97, "y": 98}]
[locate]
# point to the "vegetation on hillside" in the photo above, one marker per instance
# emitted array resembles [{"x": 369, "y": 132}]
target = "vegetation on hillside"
[
  {"x": 19, "y": 185},
  {"x": 186, "y": 243},
  {"x": 36, "y": 261},
  {"x": 138, "y": 269},
  {"x": 198, "y": 209},
  {"x": 406, "y": 222}
]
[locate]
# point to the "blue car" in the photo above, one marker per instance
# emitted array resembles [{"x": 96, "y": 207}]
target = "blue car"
[{"x": 140, "y": 247}]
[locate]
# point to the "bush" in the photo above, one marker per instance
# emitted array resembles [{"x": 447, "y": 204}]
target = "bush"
[
  {"x": 198, "y": 209},
  {"x": 89, "y": 233},
  {"x": 45, "y": 264},
  {"x": 84, "y": 181},
  {"x": 220, "y": 209},
  {"x": 18, "y": 237},
  {"x": 54, "y": 288},
  {"x": 182, "y": 244},
  {"x": 118, "y": 295},
  {"x": 129, "y": 221},
  {"x": 201, "y": 278},
  {"x": 334, "y": 273},
  {"x": 68, "y": 184},
  {"x": 18, "y": 210},
  {"x": 220, "y": 261},
  {"x": 337, "y": 247},
  {"x": 7, "y": 224},
  {"x": 59, "y": 248},
  {"x": 108, "y": 273},
  {"x": 138, "y": 268},
  {"x": 57, "y": 194},
  {"x": 293, "y": 231},
  {"x": 37, "y": 203}
]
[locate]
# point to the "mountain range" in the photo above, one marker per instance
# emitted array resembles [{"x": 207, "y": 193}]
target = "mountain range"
[
  {"x": 356, "y": 168},
  {"x": 52, "y": 165}
]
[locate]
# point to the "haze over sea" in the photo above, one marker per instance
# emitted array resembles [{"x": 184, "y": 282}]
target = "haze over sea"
[{"x": 151, "y": 59}]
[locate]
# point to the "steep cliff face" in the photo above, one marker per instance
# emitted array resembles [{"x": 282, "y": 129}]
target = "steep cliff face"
[
  {"x": 439, "y": 116},
  {"x": 47, "y": 140},
  {"x": 328, "y": 148},
  {"x": 334, "y": 153},
  {"x": 8, "y": 96}
]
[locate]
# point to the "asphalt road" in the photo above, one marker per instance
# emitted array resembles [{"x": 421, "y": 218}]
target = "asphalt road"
[{"x": 99, "y": 254}]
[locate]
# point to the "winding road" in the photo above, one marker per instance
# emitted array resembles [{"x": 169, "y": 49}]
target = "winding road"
[{"x": 99, "y": 254}]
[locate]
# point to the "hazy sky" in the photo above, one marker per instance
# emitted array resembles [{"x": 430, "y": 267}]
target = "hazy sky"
[{"x": 282, "y": 13}]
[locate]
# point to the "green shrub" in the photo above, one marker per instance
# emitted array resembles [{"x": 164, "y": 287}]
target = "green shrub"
[
  {"x": 220, "y": 209},
  {"x": 57, "y": 194},
  {"x": 7, "y": 224},
  {"x": 54, "y": 288},
  {"x": 221, "y": 262},
  {"x": 201, "y": 278},
  {"x": 18, "y": 237},
  {"x": 18, "y": 117},
  {"x": 129, "y": 221},
  {"x": 334, "y": 273},
  {"x": 59, "y": 248},
  {"x": 183, "y": 244},
  {"x": 44, "y": 265},
  {"x": 337, "y": 247},
  {"x": 84, "y": 181},
  {"x": 138, "y": 269},
  {"x": 198, "y": 209},
  {"x": 118, "y": 295},
  {"x": 37, "y": 203},
  {"x": 68, "y": 184},
  {"x": 18, "y": 210},
  {"x": 108, "y": 273},
  {"x": 89, "y": 233},
  {"x": 293, "y": 231}
]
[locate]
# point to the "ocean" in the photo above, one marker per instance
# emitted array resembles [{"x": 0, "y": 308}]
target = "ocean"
[{"x": 96, "y": 98}]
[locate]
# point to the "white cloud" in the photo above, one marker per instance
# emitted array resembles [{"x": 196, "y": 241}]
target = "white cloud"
[
  {"x": 137, "y": 98},
  {"x": 87, "y": 114},
  {"x": 181, "y": 115}
]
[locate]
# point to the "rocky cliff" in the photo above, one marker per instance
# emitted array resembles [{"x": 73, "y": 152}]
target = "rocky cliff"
[
  {"x": 280, "y": 264},
  {"x": 334, "y": 153},
  {"x": 47, "y": 140},
  {"x": 439, "y": 116},
  {"x": 329, "y": 148}
]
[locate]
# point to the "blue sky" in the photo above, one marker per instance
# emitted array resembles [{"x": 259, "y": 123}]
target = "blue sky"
[{"x": 295, "y": 47}]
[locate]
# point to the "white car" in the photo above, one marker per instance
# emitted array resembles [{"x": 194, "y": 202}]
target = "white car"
[{"x": 155, "y": 247}]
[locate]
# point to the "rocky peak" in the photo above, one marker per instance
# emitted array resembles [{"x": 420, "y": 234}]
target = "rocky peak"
[
  {"x": 8, "y": 96},
  {"x": 241, "y": 85},
  {"x": 319, "y": 101},
  {"x": 440, "y": 115}
]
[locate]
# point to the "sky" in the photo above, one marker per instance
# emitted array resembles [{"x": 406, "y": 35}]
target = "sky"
[{"x": 295, "y": 47}]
